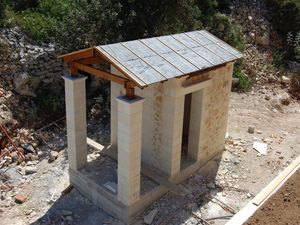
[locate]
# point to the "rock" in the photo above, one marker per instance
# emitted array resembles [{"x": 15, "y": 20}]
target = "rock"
[
  {"x": 260, "y": 147},
  {"x": 66, "y": 212},
  {"x": 30, "y": 170},
  {"x": 32, "y": 157},
  {"x": 211, "y": 185},
  {"x": 267, "y": 97},
  {"x": 285, "y": 80},
  {"x": 25, "y": 84},
  {"x": 262, "y": 39},
  {"x": 251, "y": 129},
  {"x": 285, "y": 99},
  {"x": 112, "y": 186},
  {"x": 235, "y": 81},
  {"x": 294, "y": 66},
  {"x": 259, "y": 132},
  {"x": 53, "y": 155},
  {"x": 28, "y": 148},
  {"x": 148, "y": 219},
  {"x": 20, "y": 198},
  {"x": 248, "y": 195}
]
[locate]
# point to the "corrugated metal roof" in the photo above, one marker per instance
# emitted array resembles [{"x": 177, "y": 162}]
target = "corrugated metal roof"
[{"x": 152, "y": 60}]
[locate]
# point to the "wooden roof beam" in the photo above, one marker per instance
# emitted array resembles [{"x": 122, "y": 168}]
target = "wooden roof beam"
[
  {"x": 91, "y": 60},
  {"x": 99, "y": 73},
  {"x": 81, "y": 54}
]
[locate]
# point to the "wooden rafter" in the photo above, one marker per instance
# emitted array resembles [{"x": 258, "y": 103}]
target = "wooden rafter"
[
  {"x": 90, "y": 60},
  {"x": 81, "y": 54},
  {"x": 99, "y": 73}
]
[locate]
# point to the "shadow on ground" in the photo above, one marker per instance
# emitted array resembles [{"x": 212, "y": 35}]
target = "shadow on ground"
[{"x": 74, "y": 208}]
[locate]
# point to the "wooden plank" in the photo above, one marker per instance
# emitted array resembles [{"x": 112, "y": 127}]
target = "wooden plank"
[
  {"x": 81, "y": 54},
  {"x": 94, "y": 144},
  {"x": 99, "y": 73},
  {"x": 91, "y": 60},
  {"x": 120, "y": 67},
  {"x": 269, "y": 190}
]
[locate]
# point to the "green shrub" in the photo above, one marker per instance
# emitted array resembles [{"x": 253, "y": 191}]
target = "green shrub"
[
  {"x": 286, "y": 16},
  {"x": 244, "y": 81},
  {"x": 278, "y": 58},
  {"x": 20, "y": 5},
  {"x": 183, "y": 16},
  {"x": 228, "y": 30},
  {"x": 37, "y": 25},
  {"x": 2, "y": 11},
  {"x": 293, "y": 42}
]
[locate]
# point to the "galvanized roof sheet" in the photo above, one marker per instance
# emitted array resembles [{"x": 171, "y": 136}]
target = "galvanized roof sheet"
[{"x": 151, "y": 60}]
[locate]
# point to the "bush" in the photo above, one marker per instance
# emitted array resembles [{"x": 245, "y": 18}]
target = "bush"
[
  {"x": 2, "y": 11},
  {"x": 228, "y": 30},
  {"x": 20, "y": 5},
  {"x": 244, "y": 81},
  {"x": 293, "y": 42},
  {"x": 286, "y": 16},
  {"x": 37, "y": 25}
]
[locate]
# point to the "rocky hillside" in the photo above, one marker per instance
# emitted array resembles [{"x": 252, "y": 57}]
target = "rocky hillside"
[{"x": 31, "y": 88}]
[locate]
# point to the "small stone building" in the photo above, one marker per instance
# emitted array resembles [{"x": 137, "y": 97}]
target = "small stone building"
[{"x": 169, "y": 108}]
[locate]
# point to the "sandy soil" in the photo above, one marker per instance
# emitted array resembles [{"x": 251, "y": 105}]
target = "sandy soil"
[
  {"x": 283, "y": 207},
  {"x": 216, "y": 192}
]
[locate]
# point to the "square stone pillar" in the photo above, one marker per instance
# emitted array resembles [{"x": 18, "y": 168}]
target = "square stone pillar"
[
  {"x": 197, "y": 118},
  {"x": 76, "y": 120},
  {"x": 172, "y": 124},
  {"x": 129, "y": 148}
]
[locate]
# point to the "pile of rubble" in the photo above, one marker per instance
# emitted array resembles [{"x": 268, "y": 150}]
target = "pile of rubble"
[{"x": 263, "y": 44}]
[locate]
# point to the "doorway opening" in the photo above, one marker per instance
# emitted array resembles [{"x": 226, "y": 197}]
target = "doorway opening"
[{"x": 186, "y": 129}]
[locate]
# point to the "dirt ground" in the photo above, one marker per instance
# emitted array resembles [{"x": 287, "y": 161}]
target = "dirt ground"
[
  {"x": 215, "y": 193},
  {"x": 283, "y": 207}
]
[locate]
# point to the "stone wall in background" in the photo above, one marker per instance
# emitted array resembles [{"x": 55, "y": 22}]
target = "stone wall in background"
[{"x": 34, "y": 65}]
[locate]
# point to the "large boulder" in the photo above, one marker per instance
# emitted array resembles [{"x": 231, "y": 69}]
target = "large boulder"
[
  {"x": 262, "y": 39},
  {"x": 25, "y": 84}
]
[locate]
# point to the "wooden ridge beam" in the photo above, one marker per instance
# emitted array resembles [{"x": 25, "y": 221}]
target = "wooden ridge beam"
[{"x": 99, "y": 73}]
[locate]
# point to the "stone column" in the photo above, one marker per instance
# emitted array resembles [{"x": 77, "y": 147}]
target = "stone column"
[
  {"x": 129, "y": 148},
  {"x": 172, "y": 124},
  {"x": 76, "y": 120},
  {"x": 197, "y": 118}
]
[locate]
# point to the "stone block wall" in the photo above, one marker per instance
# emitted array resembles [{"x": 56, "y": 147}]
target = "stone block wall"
[{"x": 163, "y": 118}]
